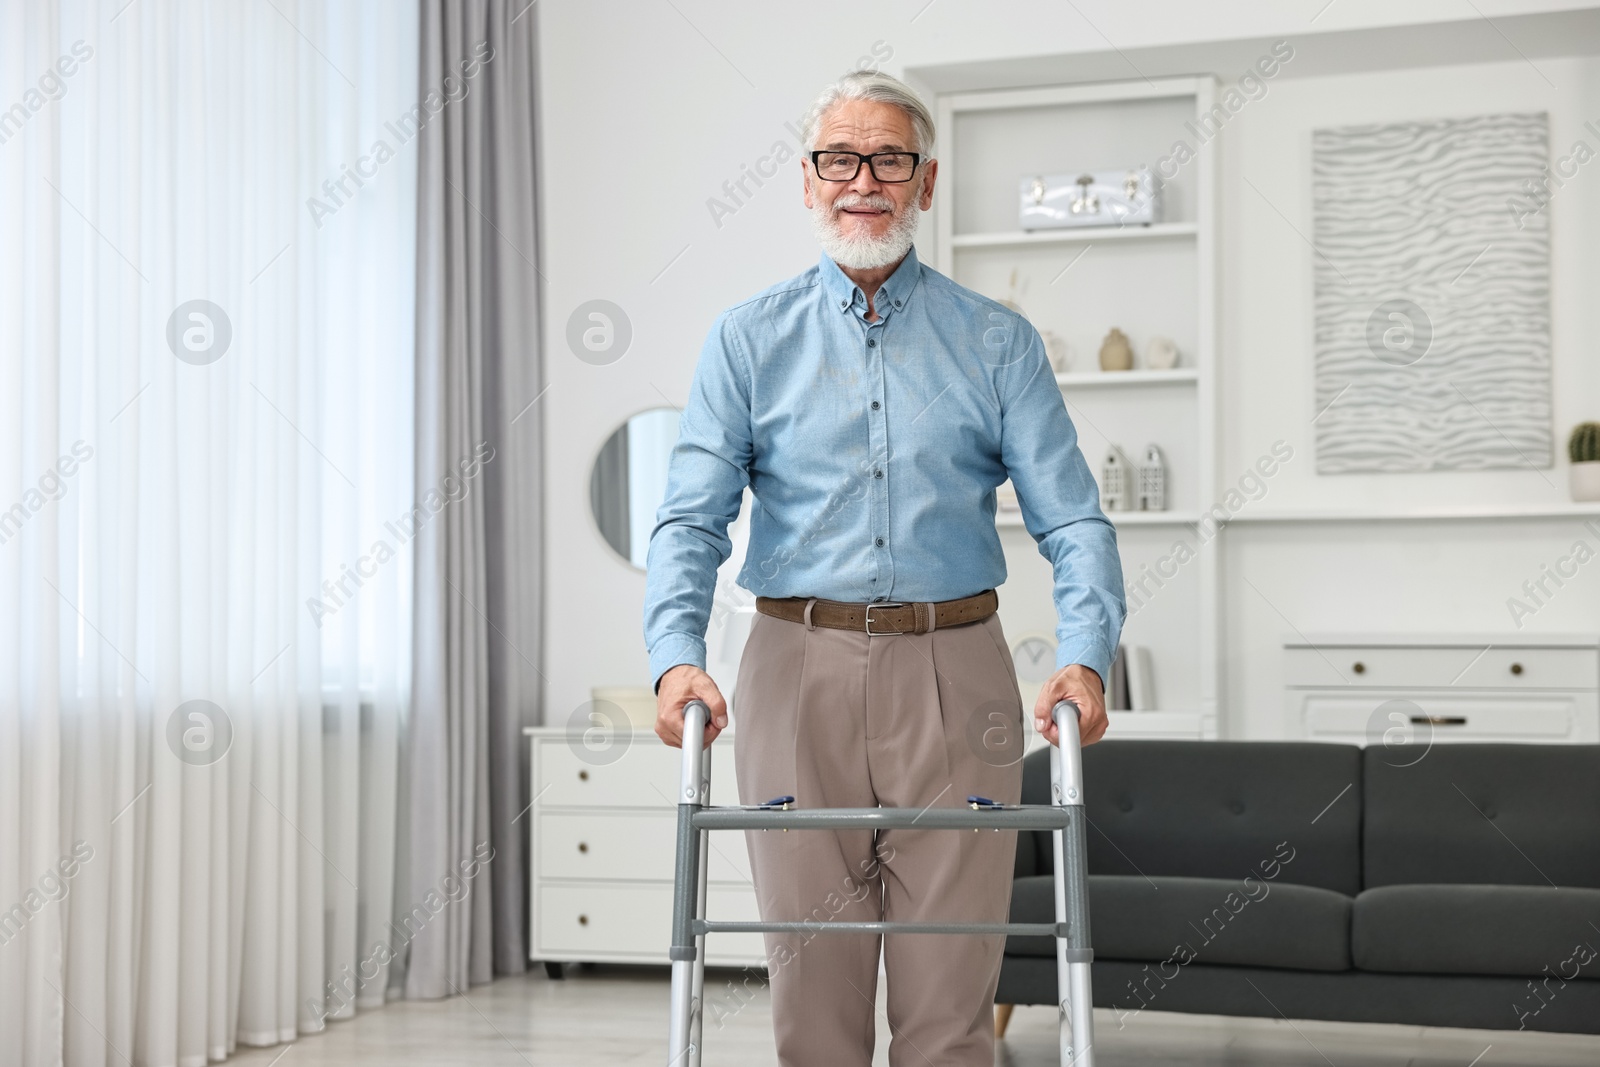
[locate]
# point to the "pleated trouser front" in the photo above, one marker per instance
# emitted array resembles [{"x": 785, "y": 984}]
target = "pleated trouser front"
[{"x": 840, "y": 718}]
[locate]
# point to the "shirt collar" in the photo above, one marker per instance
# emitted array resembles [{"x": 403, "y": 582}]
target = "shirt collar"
[{"x": 893, "y": 294}]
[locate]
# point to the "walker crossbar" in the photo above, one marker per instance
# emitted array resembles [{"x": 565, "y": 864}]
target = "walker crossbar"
[
  {"x": 1064, "y": 817},
  {"x": 1022, "y": 817},
  {"x": 718, "y": 926}
]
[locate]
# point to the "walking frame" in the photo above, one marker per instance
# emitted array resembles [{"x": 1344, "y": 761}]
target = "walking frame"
[{"x": 1064, "y": 816}]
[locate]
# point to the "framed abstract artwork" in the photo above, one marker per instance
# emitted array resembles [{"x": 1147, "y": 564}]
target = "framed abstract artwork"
[{"x": 1432, "y": 308}]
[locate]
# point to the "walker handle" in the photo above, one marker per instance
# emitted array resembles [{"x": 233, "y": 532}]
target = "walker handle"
[
  {"x": 1058, "y": 715},
  {"x": 695, "y": 716}
]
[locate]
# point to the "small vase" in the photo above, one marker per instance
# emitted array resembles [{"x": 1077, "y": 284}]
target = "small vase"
[
  {"x": 1161, "y": 354},
  {"x": 1584, "y": 479},
  {"x": 1057, "y": 350},
  {"x": 1115, "y": 352}
]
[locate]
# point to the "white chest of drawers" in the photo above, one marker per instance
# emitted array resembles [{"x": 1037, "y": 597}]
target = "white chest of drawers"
[
  {"x": 602, "y": 833},
  {"x": 1414, "y": 688}
]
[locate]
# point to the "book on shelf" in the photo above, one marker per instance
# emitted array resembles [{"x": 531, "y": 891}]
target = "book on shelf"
[
  {"x": 1117, "y": 691},
  {"x": 1132, "y": 686},
  {"x": 1141, "y": 680}
]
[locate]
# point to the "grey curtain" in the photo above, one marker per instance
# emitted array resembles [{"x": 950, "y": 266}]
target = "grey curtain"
[{"x": 477, "y": 639}]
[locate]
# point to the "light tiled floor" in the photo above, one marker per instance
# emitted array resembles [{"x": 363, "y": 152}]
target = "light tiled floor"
[{"x": 612, "y": 1014}]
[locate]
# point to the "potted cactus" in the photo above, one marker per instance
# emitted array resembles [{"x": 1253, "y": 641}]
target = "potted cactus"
[{"x": 1583, "y": 448}]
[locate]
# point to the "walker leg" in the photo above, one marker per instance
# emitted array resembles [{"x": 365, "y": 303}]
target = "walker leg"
[
  {"x": 682, "y": 1049},
  {"x": 699, "y": 985},
  {"x": 1073, "y": 952}
]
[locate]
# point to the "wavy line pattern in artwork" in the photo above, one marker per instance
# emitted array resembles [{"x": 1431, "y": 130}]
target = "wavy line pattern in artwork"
[{"x": 1427, "y": 242}]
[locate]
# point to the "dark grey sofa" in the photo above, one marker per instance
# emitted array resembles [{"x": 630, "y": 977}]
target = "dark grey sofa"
[{"x": 1310, "y": 880}]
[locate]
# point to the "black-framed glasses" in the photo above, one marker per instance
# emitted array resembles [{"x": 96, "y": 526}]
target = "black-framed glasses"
[{"x": 838, "y": 166}]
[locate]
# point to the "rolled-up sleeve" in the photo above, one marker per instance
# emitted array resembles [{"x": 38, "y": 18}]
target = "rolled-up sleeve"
[
  {"x": 707, "y": 472},
  {"x": 1060, "y": 503}
]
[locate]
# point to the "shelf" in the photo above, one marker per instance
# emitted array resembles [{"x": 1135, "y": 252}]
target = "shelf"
[
  {"x": 1162, "y": 278},
  {"x": 1545, "y": 511},
  {"x": 1004, "y": 517},
  {"x": 1012, "y": 517},
  {"x": 1081, "y": 235},
  {"x": 1443, "y": 639},
  {"x": 1161, "y": 725},
  {"x": 1096, "y": 379},
  {"x": 1168, "y": 725}
]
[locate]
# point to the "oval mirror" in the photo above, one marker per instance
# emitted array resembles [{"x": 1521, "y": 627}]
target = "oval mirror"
[{"x": 629, "y": 481}]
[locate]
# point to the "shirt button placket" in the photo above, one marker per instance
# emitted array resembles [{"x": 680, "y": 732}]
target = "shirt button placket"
[{"x": 879, "y": 434}]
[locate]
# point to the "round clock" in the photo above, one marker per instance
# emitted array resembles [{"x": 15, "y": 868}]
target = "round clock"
[{"x": 1034, "y": 656}]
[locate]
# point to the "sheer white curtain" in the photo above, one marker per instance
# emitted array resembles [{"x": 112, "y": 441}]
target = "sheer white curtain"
[{"x": 207, "y": 269}]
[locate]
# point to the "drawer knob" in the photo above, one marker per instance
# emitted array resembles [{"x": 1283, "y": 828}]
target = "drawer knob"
[
  {"x": 583, "y": 920},
  {"x": 1359, "y": 667},
  {"x": 583, "y": 846},
  {"x": 1516, "y": 668},
  {"x": 583, "y": 776},
  {"x": 1439, "y": 720}
]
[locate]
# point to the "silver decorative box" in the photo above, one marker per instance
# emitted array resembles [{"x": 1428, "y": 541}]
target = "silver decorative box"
[{"x": 1129, "y": 197}]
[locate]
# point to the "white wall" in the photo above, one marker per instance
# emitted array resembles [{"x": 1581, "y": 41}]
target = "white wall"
[
  {"x": 1442, "y": 575},
  {"x": 647, "y": 108}
]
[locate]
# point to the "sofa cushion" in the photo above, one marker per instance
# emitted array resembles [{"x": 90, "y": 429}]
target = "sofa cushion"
[
  {"x": 1477, "y": 929},
  {"x": 1482, "y": 813},
  {"x": 1289, "y": 810},
  {"x": 1253, "y": 922}
]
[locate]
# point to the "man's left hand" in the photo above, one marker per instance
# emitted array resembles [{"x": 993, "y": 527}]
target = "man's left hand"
[{"x": 1083, "y": 687}]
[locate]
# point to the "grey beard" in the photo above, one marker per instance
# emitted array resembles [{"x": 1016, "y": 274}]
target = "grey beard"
[{"x": 865, "y": 253}]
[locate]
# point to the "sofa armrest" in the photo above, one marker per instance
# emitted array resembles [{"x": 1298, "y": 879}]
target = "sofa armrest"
[{"x": 1033, "y": 855}]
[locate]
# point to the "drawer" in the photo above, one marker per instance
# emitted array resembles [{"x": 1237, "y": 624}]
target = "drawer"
[
  {"x": 634, "y": 921},
  {"x": 629, "y": 846},
  {"x": 1391, "y": 666},
  {"x": 1535, "y": 668},
  {"x": 645, "y": 774},
  {"x": 1444, "y": 717}
]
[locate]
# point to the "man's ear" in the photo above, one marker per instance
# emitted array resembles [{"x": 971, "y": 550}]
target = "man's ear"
[{"x": 805, "y": 183}]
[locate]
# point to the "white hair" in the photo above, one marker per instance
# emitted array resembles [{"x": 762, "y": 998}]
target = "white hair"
[{"x": 883, "y": 88}]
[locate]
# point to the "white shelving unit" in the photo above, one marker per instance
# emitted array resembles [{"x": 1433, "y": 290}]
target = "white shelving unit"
[
  {"x": 1153, "y": 232},
  {"x": 1566, "y": 510},
  {"x": 1010, "y": 517},
  {"x": 1123, "y": 379},
  {"x": 1146, "y": 280}
]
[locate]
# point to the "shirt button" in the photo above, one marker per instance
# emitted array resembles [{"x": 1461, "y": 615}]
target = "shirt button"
[
  {"x": 874, "y": 405},
  {"x": 844, "y": 303},
  {"x": 872, "y": 342},
  {"x": 878, "y": 473},
  {"x": 880, "y": 542},
  {"x": 897, "y": 303}
]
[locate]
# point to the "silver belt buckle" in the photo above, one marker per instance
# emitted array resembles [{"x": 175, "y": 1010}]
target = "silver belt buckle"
[{"x": 882, "y": 604}]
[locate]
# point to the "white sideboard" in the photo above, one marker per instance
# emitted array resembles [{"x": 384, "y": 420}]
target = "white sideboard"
[
  {"x": 1398, "y": 689},
  {"x": 1154, "y": 726},
  {"x": 602, "y": 832}
]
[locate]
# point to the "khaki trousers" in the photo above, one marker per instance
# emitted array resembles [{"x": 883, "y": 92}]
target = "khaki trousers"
[{"x": 838, "y": 718}]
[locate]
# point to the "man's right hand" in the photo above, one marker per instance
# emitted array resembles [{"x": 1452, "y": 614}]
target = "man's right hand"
[{"x": 679, "y": 685}]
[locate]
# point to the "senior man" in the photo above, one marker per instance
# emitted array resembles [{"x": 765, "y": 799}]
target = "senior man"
[{"x": 872, "y": 405}]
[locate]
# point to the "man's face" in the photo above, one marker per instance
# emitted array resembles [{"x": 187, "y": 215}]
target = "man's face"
[{"x": 864, "y": 211}]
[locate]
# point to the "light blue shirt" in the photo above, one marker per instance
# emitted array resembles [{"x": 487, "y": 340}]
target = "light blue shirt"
[{"x": 872, "y": 451}]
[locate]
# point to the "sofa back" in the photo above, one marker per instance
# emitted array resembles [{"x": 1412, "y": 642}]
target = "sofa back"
[
  {"x": 1283, "y": 810},
  {"x": 1507, "y": 813}
]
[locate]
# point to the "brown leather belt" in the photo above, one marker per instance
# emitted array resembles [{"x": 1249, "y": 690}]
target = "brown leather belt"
[{"x": 882, "y": 617}]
